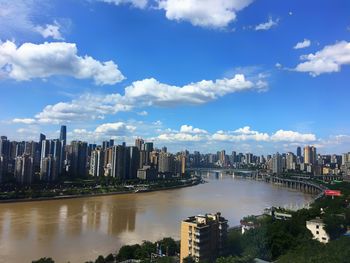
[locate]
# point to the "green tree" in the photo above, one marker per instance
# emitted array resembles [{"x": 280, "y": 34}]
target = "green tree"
[
  {"x": 44, "y": 260},
  {"x": 188, "y": 259}
]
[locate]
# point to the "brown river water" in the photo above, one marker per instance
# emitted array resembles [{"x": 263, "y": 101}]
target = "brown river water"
[{"x": 77, "y": 230}]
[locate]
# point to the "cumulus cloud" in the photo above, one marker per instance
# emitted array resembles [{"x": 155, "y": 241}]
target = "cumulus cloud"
[
  {"x": 149, "y": 92},
  {"x": 52, "y": 31},
  {"x": 142, "y": 113},
  {"x": 303, "y": 44},
  {"x": 146, "y": 93},
  {"x": 30, "y": 61},
  {"x": 292, "y": 136},
  {"x": 24, "y": 120},
  {"x": 204, "y": 13},
  {"x": 239, "y": 135},
  {"x": 190, "y": 129},
  {"x": 329, "y": 59},
  {"x": 136, "y": 3},
  {"x": 267, "y": 25},
  {"x": 117, "y": 128}
]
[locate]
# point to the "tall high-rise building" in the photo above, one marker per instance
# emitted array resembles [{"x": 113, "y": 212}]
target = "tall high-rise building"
[
  {"x": 63, "y": 133},
  {"x": 203, "y": 237},
  {"x": 78, "y": 159},
  {"x": 166, "y": 162},
  {"x": 277, "y": 165},
  {"x": 119, "y": 164},
  {"x": 139, "y": 143},
  {"x": 63, "y": 139},
  {"x": 24, "y": 168},
  {"x": 148, "y": 146},
  {"x": 290, "y": 161},
  {"x": 97, "y": 163},
  {"x": 298, "y": 151},
  {"x": 133, "y": 162},
  {"x": 310, "y": 155}
]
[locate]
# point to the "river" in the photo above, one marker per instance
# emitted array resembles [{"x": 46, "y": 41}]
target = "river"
[{"x": 77, "y": 230}]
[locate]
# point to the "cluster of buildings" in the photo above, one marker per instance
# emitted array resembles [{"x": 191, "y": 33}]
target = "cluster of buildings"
[
  {"x": 303, "y": 160},
  {"x": 48, "y": 159}
]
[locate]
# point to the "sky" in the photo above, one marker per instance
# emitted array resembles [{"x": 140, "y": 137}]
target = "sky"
[{"x": 245, "y": 75}]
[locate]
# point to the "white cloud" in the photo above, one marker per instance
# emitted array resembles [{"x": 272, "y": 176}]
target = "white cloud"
[
  {"x": 149, "y": 92},
  {"x": 146, "y": 93},
  {"x": 187, "y": 133},
  {"x": 329, "y": 59},
  {"x": 142, "y": 113},
  {"x": 86, "y": 107},
  {"x": 241, "y": 134},
  {"x": 117, "y": 128},
  {"x": 52, "y": 31},
  {"x": 267, "y": 25},
  {"x": 303, "y": 44},
  {"x": 190, "y": 129},
  {"x": 136, "y": 3},
  {"x": 292, "y": 136},
  {"x": 278, "y": 65},
  {"x": 30, "y": 61},
  {"x": 24, "y": 120},
  {"x": 204, "y": 13}
]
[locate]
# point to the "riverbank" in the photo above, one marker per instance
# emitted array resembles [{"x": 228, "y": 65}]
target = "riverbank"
[{"x": 60, "y": 197}]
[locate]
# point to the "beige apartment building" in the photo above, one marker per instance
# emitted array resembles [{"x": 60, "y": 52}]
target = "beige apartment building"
[{"x": 203, "y": 237}]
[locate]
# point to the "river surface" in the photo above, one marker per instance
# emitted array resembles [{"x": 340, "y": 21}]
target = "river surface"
[{"x": 78, "y": 230}]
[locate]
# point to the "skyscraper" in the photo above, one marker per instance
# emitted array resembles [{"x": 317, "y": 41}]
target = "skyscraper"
[
  {"x": 277, "y": 164},
  {"x": 310, "y": 155},
  {"x": 24, "y": 168},
  {"x": 63, "y": 139},
  {"x": 299, "y": 151},
  {"x": 63, "y": 134},
  {"x": 139, "y": 143},
  {"x": 78, "y": 159}
]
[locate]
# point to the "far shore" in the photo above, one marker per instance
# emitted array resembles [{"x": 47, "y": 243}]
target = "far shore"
[{"x": 60, "y": 197}]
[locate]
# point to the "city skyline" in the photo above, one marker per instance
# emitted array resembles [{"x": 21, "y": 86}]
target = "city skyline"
[{"x": 178, "y": 75}]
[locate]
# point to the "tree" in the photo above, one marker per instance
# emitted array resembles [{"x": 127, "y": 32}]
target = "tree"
[
  {"x": 188, "y": 259},
  {"x": 169, "y": 246},
  {"x": 44, "y": 260},
  {"x": 127, "y": 252}
]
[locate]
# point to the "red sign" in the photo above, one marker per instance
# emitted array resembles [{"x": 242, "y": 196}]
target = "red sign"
[{"x": 332, "y": 192}]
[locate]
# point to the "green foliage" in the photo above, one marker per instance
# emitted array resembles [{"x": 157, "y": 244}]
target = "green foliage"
[
  {"x": 336, "y": 251},
  {"x": 44, "y": 260},
  {"x": 169, "y": 246},
  {"x": 233, "y": 259},
  {"x": 188, "y": 259},
  {"x": 127, "y": 252}
]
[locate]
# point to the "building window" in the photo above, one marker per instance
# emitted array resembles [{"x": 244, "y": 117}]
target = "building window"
[
  {"x": 317, "y": 232},
  {"x": 317, "y": 227}
]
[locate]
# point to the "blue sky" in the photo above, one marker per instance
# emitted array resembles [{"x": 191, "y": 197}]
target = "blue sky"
[{"x": 244, "y": 75}]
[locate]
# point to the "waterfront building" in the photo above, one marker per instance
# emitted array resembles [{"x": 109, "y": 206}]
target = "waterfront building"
[
  {"x": 24, "y": 167},
  {"x": 316, "y": 226},
  {"x": 147, "y": 173},
  {"x": 49, "y": 169},
  {"x": 277, "y": 166},
  {"x": 97, "y": 163},
  {"x": 133, "y": 162},
  {"x": 166, "y": 162},
  {"x": 78, "y": 159},
  {"x": 290, "y": 161},
  {"x": 203, "y": 237},
  {"x": 118, "y": 162}
]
